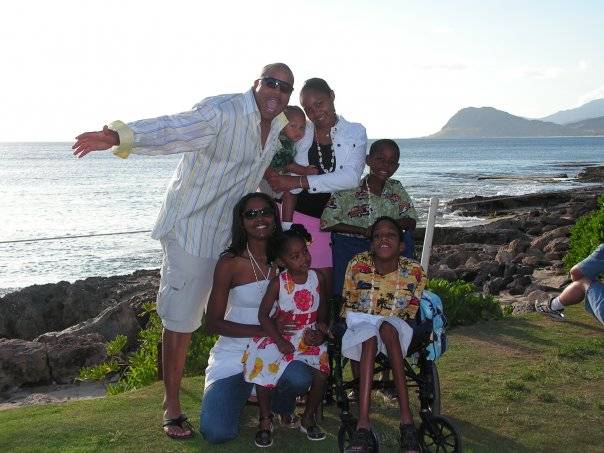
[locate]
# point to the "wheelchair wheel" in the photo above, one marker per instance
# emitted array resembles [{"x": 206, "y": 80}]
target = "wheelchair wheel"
[
  {"x": 438, "y": 434},
  {"x": 345, "y": 437},
  {"x": 434, "y": 401}
]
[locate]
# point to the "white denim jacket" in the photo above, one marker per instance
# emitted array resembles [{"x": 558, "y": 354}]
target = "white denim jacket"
[{"x": 350, "y": 145}]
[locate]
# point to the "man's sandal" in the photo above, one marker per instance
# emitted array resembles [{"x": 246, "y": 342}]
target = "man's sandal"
[
  {"x": 264, "y": 437},
  {"x": 183, "y": 423}
]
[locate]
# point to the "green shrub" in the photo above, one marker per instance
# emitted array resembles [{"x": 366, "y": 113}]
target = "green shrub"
[
  {"x": 140, "y": 368},
  {"x": 585, "y": 235},
  {"x": 462, "y": 304},
  {"x": 112, "y": 365},
  {"x": 199, "y": 351}
]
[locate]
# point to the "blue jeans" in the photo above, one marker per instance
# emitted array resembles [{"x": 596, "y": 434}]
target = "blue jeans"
[{"x": 224, "y": 400}]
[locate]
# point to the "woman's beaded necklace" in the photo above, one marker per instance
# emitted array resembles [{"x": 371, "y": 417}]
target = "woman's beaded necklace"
[{"x": 332, "y": 161}]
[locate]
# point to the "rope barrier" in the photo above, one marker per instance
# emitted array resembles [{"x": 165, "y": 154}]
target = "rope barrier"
[
  {"x": 439, "y": 215},
  {"x": 56, "y": 238}
]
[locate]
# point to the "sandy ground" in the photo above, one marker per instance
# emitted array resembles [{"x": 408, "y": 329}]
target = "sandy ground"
[{"x": 52, "y": 394}]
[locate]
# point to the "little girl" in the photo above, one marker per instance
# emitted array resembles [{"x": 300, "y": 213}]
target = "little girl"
[
  {"x": 297, "y": 295},
  {"x": 382, "y": 289}
]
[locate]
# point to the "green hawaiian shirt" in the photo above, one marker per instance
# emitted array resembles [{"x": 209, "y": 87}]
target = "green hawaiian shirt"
[{"x": 358, "y": 208}]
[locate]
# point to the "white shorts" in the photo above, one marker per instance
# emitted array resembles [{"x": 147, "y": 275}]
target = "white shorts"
[
  {"x": 184, "y": 288},
  {"x": 361, "y": 327}
]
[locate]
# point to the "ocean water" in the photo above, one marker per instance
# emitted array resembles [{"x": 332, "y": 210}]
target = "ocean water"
[{"x": 46, "y": 192}]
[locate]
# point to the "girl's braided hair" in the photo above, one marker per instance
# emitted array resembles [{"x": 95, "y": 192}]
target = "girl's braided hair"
[{"x": 277, "y": 243}]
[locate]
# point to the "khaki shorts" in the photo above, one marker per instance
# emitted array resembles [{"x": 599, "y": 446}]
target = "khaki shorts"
[{"x": 184, "y": 288}]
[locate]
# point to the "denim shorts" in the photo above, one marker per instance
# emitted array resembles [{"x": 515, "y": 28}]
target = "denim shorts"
[
  {"x": 594, "y": 300},
  {"x": 593, "y": 265}
]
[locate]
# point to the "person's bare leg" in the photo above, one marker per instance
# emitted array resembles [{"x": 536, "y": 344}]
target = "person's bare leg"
[
  {"x": 174, "y": 354},
  {"x": 389, "y": 336},
  {"x": 313, "y": 399},
  {"x": 367, "y": 363},
  {"x": 575, "y": 292},
  {"x": 264, "y": 405},
  {"x": 576, "y": 273}
]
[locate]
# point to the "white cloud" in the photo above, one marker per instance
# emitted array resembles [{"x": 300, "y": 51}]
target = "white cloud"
[
  {"x": 584, "y": 65},
  {"x": 441, "y": 29},
  {"x": 450, "y": 66},
  {"x": 537, "y": 72},
  {"x": 598, "y": 93}
]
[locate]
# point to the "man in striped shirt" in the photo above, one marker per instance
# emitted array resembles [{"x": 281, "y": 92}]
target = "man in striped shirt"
[{"x": 227, "y": 142}]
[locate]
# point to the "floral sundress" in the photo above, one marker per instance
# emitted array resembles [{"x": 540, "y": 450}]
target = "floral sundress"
[{"x": 263, "y": 364}]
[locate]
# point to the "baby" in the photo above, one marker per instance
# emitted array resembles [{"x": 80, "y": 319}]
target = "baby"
[{"x": 283, "y": 161}]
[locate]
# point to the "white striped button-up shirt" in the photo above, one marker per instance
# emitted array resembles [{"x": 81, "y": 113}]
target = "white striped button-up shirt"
[{"x": 223, "y": 160}]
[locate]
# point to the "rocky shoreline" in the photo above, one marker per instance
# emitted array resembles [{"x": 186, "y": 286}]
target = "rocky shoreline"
[
  {"x": 518, "y": 255},
  {"x": 48, "y": 332}
]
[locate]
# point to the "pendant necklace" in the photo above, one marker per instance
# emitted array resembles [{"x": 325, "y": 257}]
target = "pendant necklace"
[
  {"x": 255, "y": 264},
  {"x": 332, "y": 162}
]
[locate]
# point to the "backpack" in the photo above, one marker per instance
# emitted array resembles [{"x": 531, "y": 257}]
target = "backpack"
[{"x": 431, "y": 307}]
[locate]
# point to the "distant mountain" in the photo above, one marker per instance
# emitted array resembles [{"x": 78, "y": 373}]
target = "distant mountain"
[
  {"x": 473, "y": 122},
  {"x": 484, "y": 122},
  {"x": 591, "y": 126},
  {"x": 592, "y": 109}
]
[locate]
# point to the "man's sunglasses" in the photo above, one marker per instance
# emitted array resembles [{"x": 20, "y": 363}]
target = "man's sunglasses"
[
  {"x": 264, "y": 212},
  {"x": 271, "y": 82}
]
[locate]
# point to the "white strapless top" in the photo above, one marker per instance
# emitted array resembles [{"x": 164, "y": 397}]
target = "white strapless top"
[{"x": 242, "y": 307}]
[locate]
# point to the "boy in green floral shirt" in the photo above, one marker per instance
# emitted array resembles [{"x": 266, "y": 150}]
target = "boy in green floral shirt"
[{"x": 350, "y": 213}]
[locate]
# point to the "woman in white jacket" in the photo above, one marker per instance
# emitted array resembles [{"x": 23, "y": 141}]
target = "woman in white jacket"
[{"x": 337, "y": 148}]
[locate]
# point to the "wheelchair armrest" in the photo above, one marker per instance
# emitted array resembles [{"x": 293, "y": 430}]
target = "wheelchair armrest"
[{"x": 421, "y": 336}]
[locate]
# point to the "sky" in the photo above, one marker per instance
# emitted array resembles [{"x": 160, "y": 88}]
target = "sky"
[{"x": 401, "y": 68}]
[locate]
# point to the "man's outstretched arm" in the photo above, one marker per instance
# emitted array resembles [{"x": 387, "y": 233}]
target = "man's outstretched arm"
[{"x": 170, "y": 134}]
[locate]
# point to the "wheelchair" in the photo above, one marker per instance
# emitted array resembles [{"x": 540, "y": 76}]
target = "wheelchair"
[{"x": 436, "y": 433}]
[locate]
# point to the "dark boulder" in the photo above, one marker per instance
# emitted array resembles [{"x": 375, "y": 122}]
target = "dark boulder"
[
  {"x": 67, "y": 354},
  {"x": 113, "y": 321},
  {"x": 519, "y": 284},
  {"x": 496, "y": 285},
  {"x": 591, "y": 174},
  {"x": 22, "y": 362},
  {"x": 38, "y": 309}
]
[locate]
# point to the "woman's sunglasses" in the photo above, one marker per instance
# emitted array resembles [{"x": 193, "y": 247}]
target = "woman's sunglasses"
[
  {"x": 264, "y": 212},
  {"x": 271, "y": 82}
]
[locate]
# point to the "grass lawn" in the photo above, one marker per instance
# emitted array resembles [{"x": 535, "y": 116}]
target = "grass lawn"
[{"x": 521, "y": 384}]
